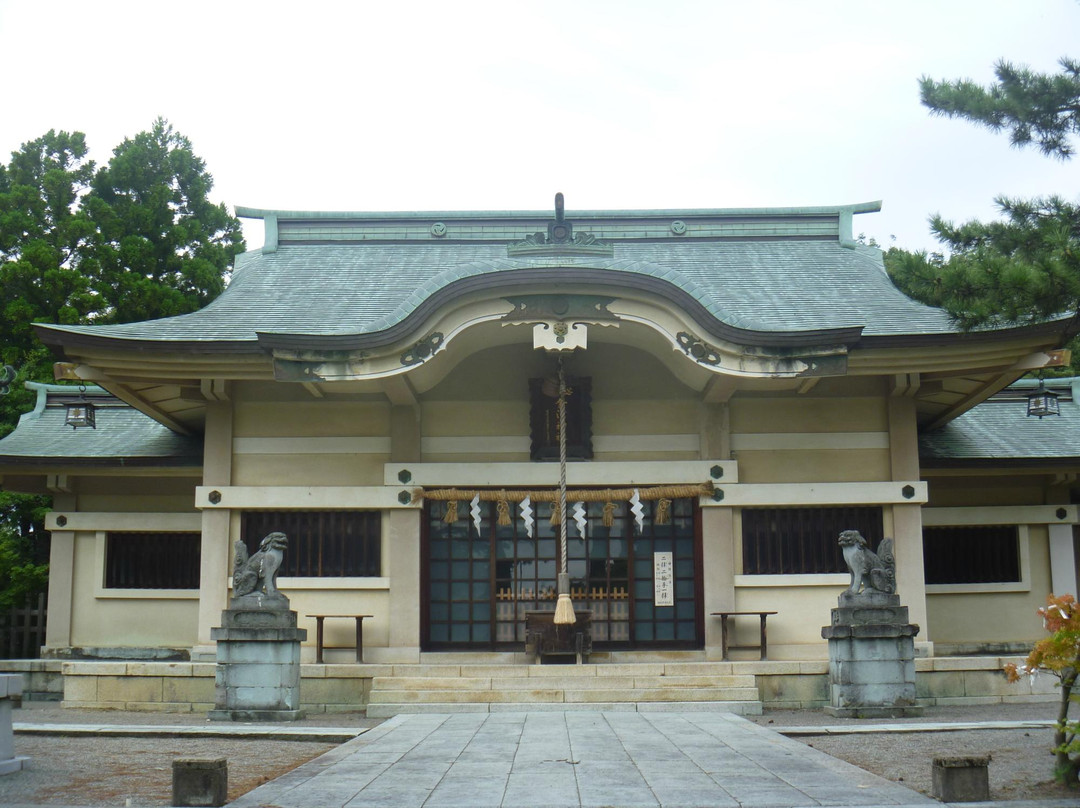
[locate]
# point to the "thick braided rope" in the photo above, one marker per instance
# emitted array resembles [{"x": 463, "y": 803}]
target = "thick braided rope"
[{"x": 605, "y": 495}]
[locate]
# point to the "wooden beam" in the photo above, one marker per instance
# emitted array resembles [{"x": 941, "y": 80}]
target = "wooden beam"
[
  {"x": 146, "y": 408},
  {"x": 399, "y": 391},
  {"x": 720, "y": 389},
  {"x": 214, "y": 389},
  {"x": 970, "y": 401}
]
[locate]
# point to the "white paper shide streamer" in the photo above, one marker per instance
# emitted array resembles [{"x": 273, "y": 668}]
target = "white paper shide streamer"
[
  {"x": 474, "y": 511},
  {"x": 527, "y": 516},
  {"x": 580, "y": 519},
  {"x": 637, "y": 510}
]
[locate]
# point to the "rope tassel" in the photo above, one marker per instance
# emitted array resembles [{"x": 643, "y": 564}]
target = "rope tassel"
[
  {"x": 451, "y": 512},
  {"x": 502, "y": 507},
  {"x": 663, "y": 512},
  {"x": 609, "y": 514}
]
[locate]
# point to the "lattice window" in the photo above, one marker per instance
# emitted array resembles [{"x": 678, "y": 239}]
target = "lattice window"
[
  {"x": 326, "y": 544},
  {"x": 479, "y": 585},
  {"x": 792, "y": 541},
  {"x": 980, "y": 554},
  {"x": 152, "y": 561}
]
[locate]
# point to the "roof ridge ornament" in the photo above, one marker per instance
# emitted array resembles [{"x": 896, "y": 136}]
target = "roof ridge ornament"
[{"x": 560, "y": 239}]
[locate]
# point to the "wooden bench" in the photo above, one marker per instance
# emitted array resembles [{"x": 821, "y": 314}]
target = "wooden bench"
[
  {"x": 319, "y": 618},
  {"x": 763, "y": 646},
  {"x": 543, "y": 637}
]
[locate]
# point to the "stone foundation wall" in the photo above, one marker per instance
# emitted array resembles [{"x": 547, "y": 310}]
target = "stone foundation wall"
[
  {"x": 42, "y": 678},
  {"x": 189, "y": 686},
  {"x": 939, "y": 681}
]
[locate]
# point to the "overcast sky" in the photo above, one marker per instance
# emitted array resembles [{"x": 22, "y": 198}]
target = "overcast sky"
[{"x": 496, "y": 106}]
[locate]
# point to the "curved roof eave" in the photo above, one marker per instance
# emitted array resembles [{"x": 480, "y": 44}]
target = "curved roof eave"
[
  {"x": 1064, "y": 327},
  {"x": 58, "y": 338},
  {"x": 401, "y": 323}
]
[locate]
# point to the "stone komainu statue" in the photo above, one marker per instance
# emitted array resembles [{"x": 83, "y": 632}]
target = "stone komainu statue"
[
  {"x": 259, "y": 572},
  {"x": 869, "y": 570}
]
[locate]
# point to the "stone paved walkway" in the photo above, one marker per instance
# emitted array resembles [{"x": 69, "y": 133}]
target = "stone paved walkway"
[{"x": 574, "y": 759}]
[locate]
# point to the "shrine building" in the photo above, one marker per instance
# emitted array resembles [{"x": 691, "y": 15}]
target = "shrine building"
[{"x": 743, "y": 385}]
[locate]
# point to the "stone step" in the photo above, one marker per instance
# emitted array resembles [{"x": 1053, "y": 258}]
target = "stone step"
[
  {"x": 472, "y": 670},
  {"x": 388, "y": 710},
  {"x": 561, "y": 695},
  {"x": 564, "y": 682},
  {"x": 516, "y": 657},
  {"x": 470, "y": 657},
  {"x": 631, "y": 657}
]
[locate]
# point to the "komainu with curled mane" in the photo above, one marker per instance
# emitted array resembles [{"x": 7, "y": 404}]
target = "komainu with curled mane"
[
  {"x": 870, "y": 571},
  {"x": 259, "y": 572}
]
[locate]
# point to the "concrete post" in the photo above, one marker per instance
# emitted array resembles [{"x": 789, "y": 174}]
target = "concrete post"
[
  {"x": 961, "y": 779},
  {"x": 10, "y": 689},
  {"x": 215, "y": 549},
  {"x": 1062, "y": 560},
  {"x": 404, "y": 571},
  {"x": 718, "y": 563},
  {"x": 907, "y": 519},
  {"x": 200, "y": 782},
  {"x": 61, "y": 589}
]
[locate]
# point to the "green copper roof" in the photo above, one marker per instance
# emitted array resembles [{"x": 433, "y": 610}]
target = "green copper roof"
[
  {"x": 123, "y": 437},
  {"x": 783, "y": 272},
  {"x": 765, "y": 276},
  {"x": 1000, "y": 430}
]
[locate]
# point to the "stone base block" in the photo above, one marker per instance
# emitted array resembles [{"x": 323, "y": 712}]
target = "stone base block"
[
  {"x": 912, "y": 711},
  {"x": 258, "y": 672},
  {"x": 961, "y": 779},
  {"x": 13, "y": 764},
  {"x": 10, "y": 689},
  {"x": 255, "y": 715},
  {"x": 200, "y": 782}
]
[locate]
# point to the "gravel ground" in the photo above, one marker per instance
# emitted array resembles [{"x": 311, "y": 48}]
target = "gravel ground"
[
  {"x": 1021, "y": 765},
  {"x": 113, "y": 771},
  {"x": 109, "y": 771}
]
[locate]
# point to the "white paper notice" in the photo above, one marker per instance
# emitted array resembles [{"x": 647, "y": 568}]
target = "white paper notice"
[{"x": 663, "y": 579}]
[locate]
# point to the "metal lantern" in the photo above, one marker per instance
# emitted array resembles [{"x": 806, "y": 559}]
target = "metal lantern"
[
  {"x": 1042, "y": 402},
  {"x": 81, "y": 412}
]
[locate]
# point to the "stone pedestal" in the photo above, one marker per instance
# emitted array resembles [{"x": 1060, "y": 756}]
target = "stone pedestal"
[
  {"x": 961, "y": 779},
  {"x": 10, "y": 690},
  {"x": 199, "y": 782},
  {"x": 871, "y": 657},
  {"x": 258, "y": 661}
]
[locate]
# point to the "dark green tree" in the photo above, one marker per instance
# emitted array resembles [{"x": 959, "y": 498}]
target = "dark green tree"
[
  {"x": 135, "y": 240},
  {"x": 44, "y": 236},
  {"x": 1024, "y": 267},
  {"x": 1034, "y": 107},
  {"x": 161, "y": 246},
  {"x": 24, "y": 548}
]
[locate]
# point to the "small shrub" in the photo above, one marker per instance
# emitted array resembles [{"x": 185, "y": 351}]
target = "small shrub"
[{"x": 1059, "y": 656}]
